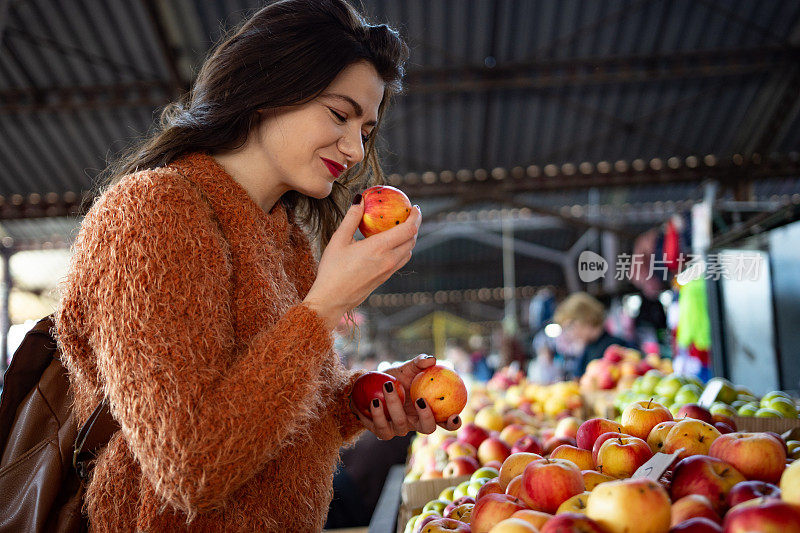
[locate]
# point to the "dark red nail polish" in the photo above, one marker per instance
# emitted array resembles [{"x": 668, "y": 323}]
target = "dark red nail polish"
[
  {"x": 376, "y": 403},
  {"x": 456, "y": 420},
  {"x": 357, "y": 199},
  {"x": 388, "y": 386},
  {"x": 421, "y": 403}
]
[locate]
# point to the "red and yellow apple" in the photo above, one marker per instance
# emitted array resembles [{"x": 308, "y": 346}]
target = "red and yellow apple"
[
  {"x": 582, "y": 458},
  {"x": 445, "y": 525},
  {"x": 547, "y": 483},
  {"x": 554, "y": 442},
  {"x": 514, "y": 487},
  {"x": 384, "y": 208},
  {"x": 629, "y": 505},
  {"x": 370, "y": 386},
  {"x": 514, "y": 465},
  {"x": 790, "y": 484},
  {"x": 462, "y": 512},
  {"x": 493, "y": 449},
  {"x": 567, "y": 427},
  {"x": 576, "y": 504},
  {"x": 460, "y": 466},
  {"x": 621, "y": 457},
  {"x": 473, "y": 435},
  {"x": 593, "y": 428},
  {"x": 601, "y": 439},
  {"x": 536, "y": 518},
  {"x": 658, "y": 435},
  {"x": 707, "y": 476},
  {"x": 692, "y": 436},
  {"x": 492, "y": 509},
  {"x": 697, "y": 525},
  {"x": 756, "y": 455},
  {"x": 698, "y": 412},
  {"x": 592, "y": 478},
  {"x": 512, "y": 433},
  {"x": 750, "y": 490},
  {"x": 691, "y": 506},
  {"x": 490, "y": 487},
  {"x": 638, "y": 418},
  {"x": 528, "y": 443},
  {"x": 765, "y": 515},
  {"x": 571, "y": 523},
  {"x": 460, "y": 449},
  {"x": 442, "y": 389}
]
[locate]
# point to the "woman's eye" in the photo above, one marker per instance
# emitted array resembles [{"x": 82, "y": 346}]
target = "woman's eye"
[
  {"x": 364, "y": 138},
  {"x": 338, "y": 116}
]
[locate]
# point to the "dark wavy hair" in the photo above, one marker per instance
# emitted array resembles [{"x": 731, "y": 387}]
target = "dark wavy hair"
[{"x": 285, "y": 54}]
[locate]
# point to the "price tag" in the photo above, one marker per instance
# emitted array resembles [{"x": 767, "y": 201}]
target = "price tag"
[
  {"x": 710, "y": 394},
  {"x": 656, "y": 466}
]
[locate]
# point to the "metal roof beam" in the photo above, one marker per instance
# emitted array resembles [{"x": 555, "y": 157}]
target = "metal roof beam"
[
  {"x": 601, "y": 70},
  {"x": 167, "y": 49},
  {"x": 4, "y": 7},
  {"x": 151, "y": 93}
]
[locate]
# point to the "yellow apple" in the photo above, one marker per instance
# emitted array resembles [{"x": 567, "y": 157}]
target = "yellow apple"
[{"x": 629, "y": 505}]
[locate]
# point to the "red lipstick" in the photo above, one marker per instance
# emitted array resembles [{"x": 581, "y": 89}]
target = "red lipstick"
[{"x": 334, "y": 167}]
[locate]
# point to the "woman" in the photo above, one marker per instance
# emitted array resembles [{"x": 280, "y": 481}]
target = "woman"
[{"x": 194, "y": 303}]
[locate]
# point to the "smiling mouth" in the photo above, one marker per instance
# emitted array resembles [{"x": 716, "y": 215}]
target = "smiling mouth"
[{"x": 334, "y": 167}]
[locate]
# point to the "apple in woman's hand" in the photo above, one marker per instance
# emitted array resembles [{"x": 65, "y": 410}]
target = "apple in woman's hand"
[
  {"x": 384, "y": 207},
  {"x": 370, "y": 386},
  {"x": 442, "y": 389}
]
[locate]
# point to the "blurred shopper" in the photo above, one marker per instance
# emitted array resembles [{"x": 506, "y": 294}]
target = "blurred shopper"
[
  {"x": 194, "y": 303},
  {"x": 582, "y": 319},
  {"x": 479, "y": 357}
]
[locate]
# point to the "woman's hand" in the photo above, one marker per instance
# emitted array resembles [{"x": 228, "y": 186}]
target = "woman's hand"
[
  {"x": 350, "y": 270},
  {"x": 408, "y": 416}
]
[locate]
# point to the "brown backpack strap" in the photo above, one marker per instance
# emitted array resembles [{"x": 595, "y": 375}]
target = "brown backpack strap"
[{"x": 92, "y": 437}]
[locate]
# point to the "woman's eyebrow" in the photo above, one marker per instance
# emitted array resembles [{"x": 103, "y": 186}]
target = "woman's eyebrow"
[{"x": 359, "y": 111}]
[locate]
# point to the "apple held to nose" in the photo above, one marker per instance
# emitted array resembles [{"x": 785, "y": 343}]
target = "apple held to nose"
[
  {"x": 443, "y": 391},
  {"x": 384, "y": 207},
  {"x": 371, "y": 386}
]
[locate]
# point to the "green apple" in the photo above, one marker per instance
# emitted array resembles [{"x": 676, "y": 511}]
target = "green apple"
[
  {"x": 436, "y": 505},
  {"x": 738, "y": 403},
  {"x": 412, "y": 522},
  {"x": 447, "y": 494},
  {"x": 476, "y": 484},
  {"x": 637, "y": 384},
  {"x": 663, "y": 400},
  {"x": 669, "y": 386},
  {"x": 747, "y": 398},
  {"x": 674, "y": 408},
  {"x": 412, "y": 476},
  {"x": 748, "y": 409},
  {"x": 650, "y": 381},
  {"x": 460, "y": 490},
  {"x": 766, "y": 412},
  {"x": 773, "y": 394},
  {"x": 742, "y": 390},
  {"x": 689, "y": 393},
  {"x": 719, "y": 408},
  {"x": 697, "y": 381},
  {"x": 784, "y": 406},
  {"x": 486, "y": 472},
  {"x": 794, "y": 449},
  {"x": 727, "y": 393}
]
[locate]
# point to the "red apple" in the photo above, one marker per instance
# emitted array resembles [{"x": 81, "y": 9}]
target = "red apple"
[
  {"x": 491, "y": 509},
  {"x": 528, "y": 443},
  {"x": 442, "y": 389},
  {"x": 514, "y": 487},
  {"x": 780, "y": 440},
  {"x": 472, "y": 435},
  {"x": 571, "y": 523},
  {"x": 697, "y": 525},
  {"x": 756, "y": 455},
  {"x": 691, "y": 506},
  {"x": 384, "y": 207},
  {"x": 445, "y": 525},
  {"x": 693, "y": 436},
  {"x": 749, "y": 490},
  {"x": 725, "y": 420},
  {"x": 614, "y": 353},
  {"x": 582, "y": 458},
  {"x": 493, "y": 449},
  {"x": 621, "y": 457},
  {"x": 567, "y": 427},
  {"x": 370, "y": 386},
  {"x": 513, "y": 525},
  {"x": 490, "y": 487},
  {"x": 765, "y": 515},
  {"x": 601, "y": 439},
  {"x": 460, "y": 466},
  {"x": 698, "y": 412},
  {"x": 536, "y": 518},
  {"x": 547, "y": 483},
  {"x": 512, "y": 433},
  {"x": 707, "y": 476},
  {"x": 630, "y": 505},
  {"x": 462, "y": 512},
  {"x": 723, "y": 428},
  {"x": 658, "y": 435},
  {"x": 593, "y": 428},
  {"x": 494, "y": 463},
  {"x": 640, "y": 417},
  {"x": 514, "y": 465}
]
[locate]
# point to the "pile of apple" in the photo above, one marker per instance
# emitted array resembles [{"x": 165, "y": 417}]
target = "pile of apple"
[
  {"x": 734, "y": 482},
  {"x": 619, "y": 367},
  {"x": 674, "y": 391}
]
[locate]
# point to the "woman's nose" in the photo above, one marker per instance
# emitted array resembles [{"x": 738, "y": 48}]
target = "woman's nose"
[{"x": 352, "y": 147}]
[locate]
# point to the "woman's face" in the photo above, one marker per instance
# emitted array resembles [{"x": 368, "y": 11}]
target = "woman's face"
[{"x": 304, "y": 148}]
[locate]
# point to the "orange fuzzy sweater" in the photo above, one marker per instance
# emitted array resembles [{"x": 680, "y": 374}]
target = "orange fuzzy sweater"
[{"x": 182, "y": 305}]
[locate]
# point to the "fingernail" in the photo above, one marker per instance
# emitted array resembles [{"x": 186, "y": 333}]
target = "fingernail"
[
  {"x": 426, "y": 356},
  {"x": 456, "y": 420},
  {"x": 418, "y": 208},
  {"x": 421, "y": 403},
  {"x": 388, "y": 386},
  {"x": 357, "y": 199},
  {"x": 376, "y": 403}
]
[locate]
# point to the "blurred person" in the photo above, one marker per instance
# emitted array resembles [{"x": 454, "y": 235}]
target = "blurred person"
[
  {"x": 195, "y": 306},
  {"x": 582, "y": 319},
  {"x": 455, "y": 352},
  {"x": 481, "y": 370}
]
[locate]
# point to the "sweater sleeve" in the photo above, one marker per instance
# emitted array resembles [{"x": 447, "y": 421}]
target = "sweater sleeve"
[
  {"x": 349, "y": 424},
  {"x": 201, "y": 414}
]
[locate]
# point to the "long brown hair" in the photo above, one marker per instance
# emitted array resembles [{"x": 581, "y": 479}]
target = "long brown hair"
[{"x": 285, "y": 54}]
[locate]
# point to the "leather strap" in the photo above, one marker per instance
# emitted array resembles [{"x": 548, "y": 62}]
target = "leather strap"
[{"x": 92, "y": 437}]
